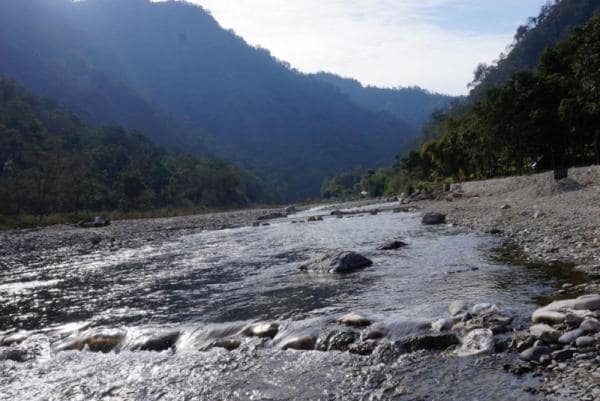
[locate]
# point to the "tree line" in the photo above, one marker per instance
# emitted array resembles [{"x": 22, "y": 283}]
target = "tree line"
[
  {"x": 53, "y": 162},
  {"x": 541, "y": 119}
]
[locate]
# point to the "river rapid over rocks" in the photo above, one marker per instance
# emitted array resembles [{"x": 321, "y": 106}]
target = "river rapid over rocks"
[{"x": 228, "y": 315}]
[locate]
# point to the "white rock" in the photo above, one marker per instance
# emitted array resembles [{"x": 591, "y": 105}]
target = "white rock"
[{"x": 476, "y": 342}]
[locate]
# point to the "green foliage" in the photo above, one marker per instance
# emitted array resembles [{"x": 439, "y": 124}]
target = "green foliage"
[
  {"x": 535, "y": 120},
  {"x": 52, "y": 162},
  {"x": 556, "y": 22}
]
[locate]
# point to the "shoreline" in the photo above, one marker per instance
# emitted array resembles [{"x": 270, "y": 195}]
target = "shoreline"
[{"x": 549, "y": 223}]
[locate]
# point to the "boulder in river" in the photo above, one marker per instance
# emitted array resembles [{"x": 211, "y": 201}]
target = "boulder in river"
[
  {"x": 339, "y": 263},
  {"x": 291, "y": 209},
  {"x": 229, "y": 344},
  {"x": 261, "y": 330},
  {"x": 97, "y": 341},
  {"x": 303, "y": 343},
  {"x": 431, "y": 219},
  {"x": 156, "y": 342},
  {"x": 430, "y": 342},
  {"x": 354, "y": 320},
  {"x": 391, "y": 246}
]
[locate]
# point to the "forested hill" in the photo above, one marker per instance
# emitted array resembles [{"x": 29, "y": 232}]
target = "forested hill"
[
  {"x": 413, "y": 105},
  {"x": 170, "y": 70},
  {"x": 53, "y": 162},
  {"x": 545, "y": 118},
  {"x": 556, "y": 21}
]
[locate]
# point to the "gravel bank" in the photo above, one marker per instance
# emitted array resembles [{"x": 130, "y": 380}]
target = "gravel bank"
[
  {"x": 550, "y": 221},
  {"x": 56, "y": 243}
]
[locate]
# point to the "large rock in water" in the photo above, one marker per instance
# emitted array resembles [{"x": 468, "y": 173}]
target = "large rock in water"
[
  {"x": 340, "y": 263},
  {"x": 431, "y": 219}
]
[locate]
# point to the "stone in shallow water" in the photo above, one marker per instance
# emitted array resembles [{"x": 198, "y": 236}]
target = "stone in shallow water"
[
  {"x": 363, "y": 348},
  {"x": 100, "y": 341},
  {"x": 354, "y": 320},
  {"x": 261, "y": 330},
  {"x": 391, "y": 246},
  {"x": 337, "y": 341},
  {"x": 340, "y": 263},
  {"x": 477, "y": 342},
  {"x": 157, "y": 342},
  {"x": 229, "y": 344},
  {"x": 442, "y": 325},
  {"x": 303, "y": 343},
  {"x": 430, "y": 342},
  {"x": 457, "y": 307},
  {"x": 545, "y": 332}
]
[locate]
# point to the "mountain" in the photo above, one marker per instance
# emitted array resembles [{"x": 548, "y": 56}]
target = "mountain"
[
  {"x": 413, "y": 105},
  {"x": 554, "y": 24},
  {"x": 168, "y": 69},
  {"x": 51, "y": 162}
]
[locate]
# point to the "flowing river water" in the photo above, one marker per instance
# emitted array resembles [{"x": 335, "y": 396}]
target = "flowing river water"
[{"x": 158, "y": 309}]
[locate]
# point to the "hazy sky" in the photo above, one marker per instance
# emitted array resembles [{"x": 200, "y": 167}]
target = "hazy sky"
[{"x": 435, "y": 44}]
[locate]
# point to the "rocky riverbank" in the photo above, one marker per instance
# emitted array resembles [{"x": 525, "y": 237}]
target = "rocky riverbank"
[{"x": 550, "y": 222}]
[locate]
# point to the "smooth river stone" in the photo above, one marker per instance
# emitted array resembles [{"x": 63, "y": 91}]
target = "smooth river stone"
[
  {"x": 570, "y": 336},
  {"x": 304, "y": 343},
  {"x": 535, "y": 353},
  {"x": 545, "y": 332},
  {"x": 354, "y": 320},
  {"x": 548, "y": 316},
  {"x": 590, "y": 325},
  {"x": 585, "y": 302},
  {"x": 585, "y": 341},
  {"x": 261, "y": 330}
]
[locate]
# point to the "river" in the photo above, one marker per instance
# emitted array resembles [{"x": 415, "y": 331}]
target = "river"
[{"x": 194, "y": 290}]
